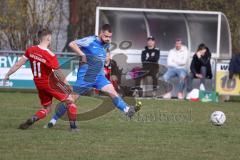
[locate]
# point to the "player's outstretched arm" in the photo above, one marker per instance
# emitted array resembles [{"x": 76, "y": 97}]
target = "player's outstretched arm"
[
  {"x": 14, "y": 68},
  {"x": 77, "y": 50}
]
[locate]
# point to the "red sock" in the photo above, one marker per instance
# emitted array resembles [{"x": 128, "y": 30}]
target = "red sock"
[
  {"x": 72, "y": 112},
  {"x": 40, "y": 114}
]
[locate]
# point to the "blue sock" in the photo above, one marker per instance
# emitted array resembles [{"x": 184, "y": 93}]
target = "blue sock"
[
  {"x": 120, "y": 104},
  {"x": 60, "y": 111}
]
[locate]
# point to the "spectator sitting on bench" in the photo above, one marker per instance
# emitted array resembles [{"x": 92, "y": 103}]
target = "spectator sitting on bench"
[
  {"x": 200, "y": 66},
  {"x": 176, "y": 62},
  {"x": 150, "y": 56}
]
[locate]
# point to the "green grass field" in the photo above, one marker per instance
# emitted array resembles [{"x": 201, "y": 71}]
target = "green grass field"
[{"x": 163, "y": 130}]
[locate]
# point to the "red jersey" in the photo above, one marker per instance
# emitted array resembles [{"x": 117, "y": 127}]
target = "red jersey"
[{"x": 42, "y": 62}]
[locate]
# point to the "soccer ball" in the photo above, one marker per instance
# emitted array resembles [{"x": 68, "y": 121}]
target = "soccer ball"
[{"x": 218, "y": 118}]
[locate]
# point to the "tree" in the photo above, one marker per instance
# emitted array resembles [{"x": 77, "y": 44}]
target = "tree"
[{"x": 20, "y": 20}]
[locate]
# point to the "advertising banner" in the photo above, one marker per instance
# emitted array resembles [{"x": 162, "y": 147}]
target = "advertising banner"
[
  {"x": 225, "y": 86},
  {"x": 23, "y": 78}
]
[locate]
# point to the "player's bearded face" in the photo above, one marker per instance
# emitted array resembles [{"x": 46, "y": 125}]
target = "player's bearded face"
[{"x": 106, "y": 36}]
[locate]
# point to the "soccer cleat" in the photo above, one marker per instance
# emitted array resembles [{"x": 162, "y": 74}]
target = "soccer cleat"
[
  {"x": 133, "y": 109},
  {"x": 74, "y": 130},
  {"x": 73, "y": 126},
  {"x": 26, "y": 124},
  {"x": 49, "y": 125}
]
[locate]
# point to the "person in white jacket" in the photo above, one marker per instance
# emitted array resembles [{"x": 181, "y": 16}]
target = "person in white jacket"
[{"x": 177, "y": 62}]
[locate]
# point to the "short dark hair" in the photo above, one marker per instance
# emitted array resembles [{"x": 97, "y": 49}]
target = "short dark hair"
[
  {"x": 178, "y": 40},
  {"x": 106, "y": 27},
  {"x": 201, "y": 47},
  {"x": 43, "y": 32},
  {"x": 151, "y": 37}
]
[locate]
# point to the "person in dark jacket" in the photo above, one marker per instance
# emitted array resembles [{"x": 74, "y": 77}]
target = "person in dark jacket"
[
  {"x": 234, "y": 66},
  {"x": 150, "y": 56},
  {"x": 200, "y": 66}
]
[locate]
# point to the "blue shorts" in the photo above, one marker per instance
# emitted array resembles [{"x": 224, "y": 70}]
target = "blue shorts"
[{"x": 82, "y": 85}]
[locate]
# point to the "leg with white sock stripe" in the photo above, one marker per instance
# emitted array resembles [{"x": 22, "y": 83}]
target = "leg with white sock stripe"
[
  {"x": 117, "y": 100},
  {"x": 120, "y": 104},
  {"x": 61, "y": 109}
]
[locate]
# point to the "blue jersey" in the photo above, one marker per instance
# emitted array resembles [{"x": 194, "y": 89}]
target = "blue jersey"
[
  {"x": 95, "y": 51},
  {"x": 91, "y": 74},
  {"x": 93, "y": 46}
]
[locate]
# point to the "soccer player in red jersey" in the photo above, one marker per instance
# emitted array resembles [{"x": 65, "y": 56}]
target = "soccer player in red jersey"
[{"x": 48, "y": 80}]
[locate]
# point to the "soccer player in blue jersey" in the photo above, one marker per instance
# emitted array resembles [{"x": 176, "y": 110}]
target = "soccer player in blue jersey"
[{"x": 93, "y": 52}]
